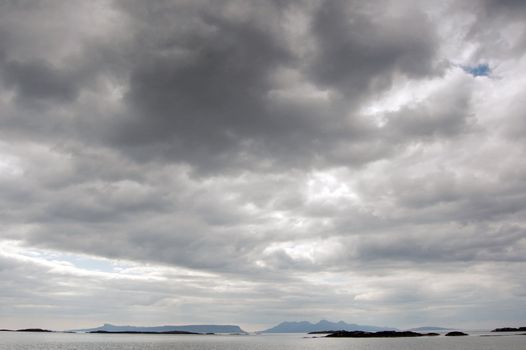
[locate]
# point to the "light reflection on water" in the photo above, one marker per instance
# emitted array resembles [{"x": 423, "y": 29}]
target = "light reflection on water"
[{"x": 63, "y": 341}]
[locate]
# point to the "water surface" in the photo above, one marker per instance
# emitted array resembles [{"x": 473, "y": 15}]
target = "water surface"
[{"x": 63, "y": 341}]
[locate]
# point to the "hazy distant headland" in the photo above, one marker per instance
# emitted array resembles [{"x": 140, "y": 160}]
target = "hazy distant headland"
[{"x": 169, "y": 329}]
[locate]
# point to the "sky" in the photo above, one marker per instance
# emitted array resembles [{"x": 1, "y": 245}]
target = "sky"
[{"x": 252, "y": 162}]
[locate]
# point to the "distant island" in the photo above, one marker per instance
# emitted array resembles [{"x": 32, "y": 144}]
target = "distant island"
[
  {"x": 138, "y": 332},
  {"x": 456, "y": 334},
  {"x": 381, "y": 334},
  {"x": 510, "y": 329},
  {"x": 37, "y": 330},
  {"x": 33, "y": 330},
  {"x": 186, "y": 329},
  {"x": 323, "y": 326}
]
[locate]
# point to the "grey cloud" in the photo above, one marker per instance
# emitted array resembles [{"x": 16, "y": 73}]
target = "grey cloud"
[
  {"x": 443, "y": 115},
  {"x": 512, "y": 8},
  {"x": 466, "y": 244},
  {"x": 204, "y": 95},
  {"x": 361, "y": 46},
  {"x": 493, "y": 19},
  {"x": 206, "y": 90},
  {"x": 516, "y": 129},
  {"x": 200, "y": 93},
  {"x": 39, "y": 81}
]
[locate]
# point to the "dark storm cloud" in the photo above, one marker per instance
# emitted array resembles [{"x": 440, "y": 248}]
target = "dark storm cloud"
[
  {"x": 202, "y": 95},
  {"x": 34, "y": 81},
  {"x": 204, "y": 90},
  {"x": 210, "y": 88},
  {"x": 361, "y": 46}
]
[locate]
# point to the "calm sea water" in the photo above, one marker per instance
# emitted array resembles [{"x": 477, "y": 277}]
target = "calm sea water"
[{"x": 62, "y": 341}]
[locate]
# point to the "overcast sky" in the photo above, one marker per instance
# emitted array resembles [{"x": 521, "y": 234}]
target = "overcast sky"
[{"x": 251, "y": 162}]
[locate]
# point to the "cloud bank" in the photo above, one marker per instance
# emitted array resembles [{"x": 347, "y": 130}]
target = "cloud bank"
[{"x": 254, "y": 162}]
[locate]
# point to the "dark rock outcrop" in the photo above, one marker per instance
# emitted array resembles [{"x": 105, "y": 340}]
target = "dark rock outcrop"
[
  {"x": 138, "y": 332},
  {"x": 382, "y": 334},
  {"x": 33, "y": 330},
  {"x": 510, "y": 329},
  {"x": 455, "y": 334}
]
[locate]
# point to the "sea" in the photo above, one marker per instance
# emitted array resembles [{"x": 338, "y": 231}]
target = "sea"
[{"x": 79, "y": 341}]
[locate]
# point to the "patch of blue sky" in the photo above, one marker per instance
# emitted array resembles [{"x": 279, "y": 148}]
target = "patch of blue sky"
[
  {"x": 480, "y": 70},
  {"x": 89, "y": 263}
]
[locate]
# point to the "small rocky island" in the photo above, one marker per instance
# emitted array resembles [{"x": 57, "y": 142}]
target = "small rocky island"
[
  {"x": 455, "y": 334},
  {"x": 510, "y": 329},
  {"x": 381, "y": 334},
  {"x": 37, "y": 330}
]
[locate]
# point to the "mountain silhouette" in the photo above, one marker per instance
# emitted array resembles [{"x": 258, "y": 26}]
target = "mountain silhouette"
[{"x": 323, "y": 325}]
